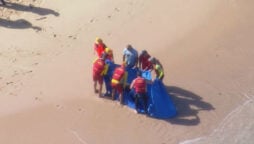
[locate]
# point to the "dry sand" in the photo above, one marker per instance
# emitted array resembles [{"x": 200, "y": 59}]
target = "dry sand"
[{"x": 46, "y": 94}]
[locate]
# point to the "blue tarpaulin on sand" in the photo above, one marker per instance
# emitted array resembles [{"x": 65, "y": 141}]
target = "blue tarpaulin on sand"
[{"x": 159, "y": 103}]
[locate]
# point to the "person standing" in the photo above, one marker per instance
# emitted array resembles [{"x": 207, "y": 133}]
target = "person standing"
[
  {"x": 158, "y": 68},
  {"x": 99, "y": 70},
  {"x": 118, "y": 82},
  {"x": 99, "y": 47},
  {"x": 130, "y": 56},
  {"x": 143, "y": 61},
  {"x": 108, "y": 76},
  {"x": 139, "y": 86}
]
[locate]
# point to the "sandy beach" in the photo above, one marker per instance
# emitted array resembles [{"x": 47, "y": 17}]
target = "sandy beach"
[{"x": 46, "y": 55}]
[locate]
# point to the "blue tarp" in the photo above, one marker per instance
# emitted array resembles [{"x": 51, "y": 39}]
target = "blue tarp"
[{"x": 160, "y": 104}]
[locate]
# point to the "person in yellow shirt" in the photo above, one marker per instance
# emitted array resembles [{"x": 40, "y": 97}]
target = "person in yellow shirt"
[{"x": 158, "y": 68}]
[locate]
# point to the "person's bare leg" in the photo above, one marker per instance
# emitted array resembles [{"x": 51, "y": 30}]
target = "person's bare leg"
[
  {"x": 113, "y": 94},
  {"x": 100, "y": 90},
  {"x": 95, "y": 86},
  {"x": 121, "y": 98}
]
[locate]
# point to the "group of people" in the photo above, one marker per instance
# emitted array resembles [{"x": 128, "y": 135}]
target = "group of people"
[{"x": 115, "y": 76}]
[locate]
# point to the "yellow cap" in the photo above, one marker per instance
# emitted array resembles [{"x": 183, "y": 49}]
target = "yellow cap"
[
  {"x": 98, "y": 40},
  {"x": 108, "y": 50}
]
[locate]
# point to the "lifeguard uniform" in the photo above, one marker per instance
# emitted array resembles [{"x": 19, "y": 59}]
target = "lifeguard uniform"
[
  {"x": 99, "y": 48},
  {"x": 99, "y": 69},
  {"x": 118, "y": 79},
  {"x": 139, "y": 85}
]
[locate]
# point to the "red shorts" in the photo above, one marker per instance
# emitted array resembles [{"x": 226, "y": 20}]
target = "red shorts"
[
  {"x": 118, "y": 87},
  {"x": 98, "y": 78}
]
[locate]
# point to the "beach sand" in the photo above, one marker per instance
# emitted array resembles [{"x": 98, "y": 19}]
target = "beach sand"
[{"x": 46, "y": 55}]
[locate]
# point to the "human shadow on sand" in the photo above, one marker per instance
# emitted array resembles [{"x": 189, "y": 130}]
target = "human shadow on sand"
[
  {"x": 188, "y": 105},
  {"x": 30, "y": 8},
  {"x": 18, "y": 24}
]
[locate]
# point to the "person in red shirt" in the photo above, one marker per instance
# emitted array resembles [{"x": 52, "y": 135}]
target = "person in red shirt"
[
  {"x": 139, "y": 86},
  {"x": 99, "y": 70},
  {"x": 99, "y": 47},
  {"x": 118, "y": 82},
  {"x": 143, "y": 59}
]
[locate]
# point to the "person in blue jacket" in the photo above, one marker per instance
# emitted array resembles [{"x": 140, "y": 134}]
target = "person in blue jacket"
[{"x": 130, "y": 56}]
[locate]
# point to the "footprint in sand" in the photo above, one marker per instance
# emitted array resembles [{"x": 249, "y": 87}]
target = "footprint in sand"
[
  {"x": 73, "y": 37},
  {"x": 35, "y": 64},
  {"x": 58, "y": 106},
  {"x": 14, "y": 60},
  {"x": 117, "y": 10},
  {"x": 36, "y": 53},
  {"x": 8, "y": 83},
  {"x": 80, "y": 110},
  {"x": 92, "y": 20},
  {"x": 12, "y": 94},
  {"x": 37, "y": 99},
  {"x": 30, "y": 71}
]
